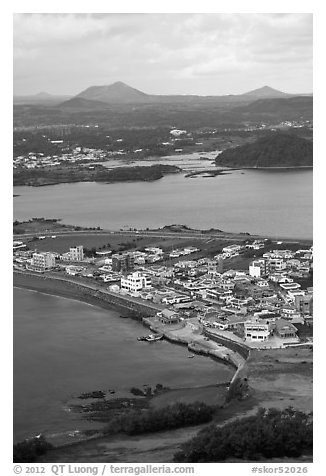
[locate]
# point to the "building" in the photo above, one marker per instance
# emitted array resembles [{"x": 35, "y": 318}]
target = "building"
[
  {"x": 232, "y": 249},
  {"x": 168, "y": 317},
  {"x": 123, "y": 262},
  {"x": 74, "y": 270},
  {"x": 42, "y": 261},
  {"x": 304, "y": 303},
  {"x": 215, "y": 266},
  {"x": 258, "y": 268},
  {"x": 77, "y": 253},
  {"x": 257, "y": 329},
  {"x": 135, "y": 282},
  {"x": 276, "y": 264},
  {"x": 285, "y": 329}
]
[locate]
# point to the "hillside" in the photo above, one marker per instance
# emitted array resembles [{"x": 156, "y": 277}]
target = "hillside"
[
  {"x": 274, "y": 150},
  {"x": 291, "y": 108},
  {"x": 80, "y": 103},
  {"x": 121, "y": 93},
  {"x": 266, "y": 92},
  {"x": 114, "y": 93}
]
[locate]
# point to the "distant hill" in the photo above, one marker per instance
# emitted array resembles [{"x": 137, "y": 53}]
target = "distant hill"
[
  {"x": 118, "y": 92},
  {"x": 81, "y": 104},
  {"x": 266, "y": 92},
  {"x": 121, "y": 93},
  {"x": 119, "y": 105},
  {"x": 285, "y": 108},
  {"x": 274, "y": 150}
]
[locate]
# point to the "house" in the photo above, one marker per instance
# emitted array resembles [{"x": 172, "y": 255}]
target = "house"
[
  {"x": 168, "y": 317},
  {"x": 285, "y": 329},
  {"x": 276, "y": 264},
  {"x": 257, "y": 329},
  {"x": 74, "y": 270},
  {"x": 290, "y": 286},
  {"x": 135, "y": 282},
  {"x": 262, "y": 283},
  {"x": 232, "y": 249}
]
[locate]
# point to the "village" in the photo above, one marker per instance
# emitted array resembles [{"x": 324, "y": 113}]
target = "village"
[{"x": 262, "y": 307}]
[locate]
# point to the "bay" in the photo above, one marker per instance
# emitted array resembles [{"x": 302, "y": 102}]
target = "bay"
[
  {"x": 64, "y": 347},
  {"x": 275, "y": 202}
]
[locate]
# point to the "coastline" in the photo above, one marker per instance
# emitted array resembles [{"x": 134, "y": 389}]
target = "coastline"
[
  {"x": 279, "y": 383},
  {"x": 48, "y": 285}
]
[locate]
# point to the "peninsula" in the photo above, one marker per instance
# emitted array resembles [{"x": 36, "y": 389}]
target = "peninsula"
[{"x": 97, "y": 173}]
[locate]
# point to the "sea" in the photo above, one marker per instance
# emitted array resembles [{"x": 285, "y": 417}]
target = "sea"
[
  {"x": 275, "y": 203},
  {"x": 64, "y": 347}
]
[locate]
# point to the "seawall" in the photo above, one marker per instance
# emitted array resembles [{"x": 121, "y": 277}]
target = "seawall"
[{"x": 129, "y": 307}]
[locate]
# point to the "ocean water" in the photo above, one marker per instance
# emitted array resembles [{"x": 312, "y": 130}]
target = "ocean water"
[
  {"x": 64, "y": 347},
  {"x": 269, "y": 202}
]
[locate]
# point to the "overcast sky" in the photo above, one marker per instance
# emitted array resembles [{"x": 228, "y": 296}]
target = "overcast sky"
[{"x": 163, "y": 53}]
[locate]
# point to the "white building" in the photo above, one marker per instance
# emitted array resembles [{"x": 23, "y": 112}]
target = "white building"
[
  {"x": 257, "y": 268},
  {"x": 77, "y": 253},
  {"x": 43, "y": 261},
  {"x": 231, "y": 249},
  {"x": 135, "y": 282},
  {"x": 257, "y": 329},
  {"x": 177, "y": 132}
]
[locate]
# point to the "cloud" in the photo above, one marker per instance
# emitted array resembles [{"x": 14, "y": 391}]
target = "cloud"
[{"x": 163, "y": 52}]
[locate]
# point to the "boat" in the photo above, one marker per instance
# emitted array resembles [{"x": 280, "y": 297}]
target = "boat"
[
  {"x": 191, "y": 356},
  {"x": 154, "y": 337}
]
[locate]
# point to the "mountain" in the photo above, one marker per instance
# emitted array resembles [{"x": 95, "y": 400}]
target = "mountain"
[
  {"x": 79, "y": 103},
  {"x": 121, "y": 93},
  {"x": 114, "y": 93},
  {"x": 266, "y": 92},
  {"x": 273, "y": 150}
]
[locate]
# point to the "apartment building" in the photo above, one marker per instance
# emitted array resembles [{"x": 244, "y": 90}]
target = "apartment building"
[
  {"x": 77, "y": 253},
  {"x": 135, "y": 282},
  {"x": 42, "y": 261}
]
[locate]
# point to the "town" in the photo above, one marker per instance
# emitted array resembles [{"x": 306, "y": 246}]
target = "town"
[
  {"x": 261, "y": 307},
  {"x": 55, "y": 146}
]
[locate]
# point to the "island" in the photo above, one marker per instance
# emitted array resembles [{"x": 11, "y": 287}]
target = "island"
[{"x": 276, "y": 149}]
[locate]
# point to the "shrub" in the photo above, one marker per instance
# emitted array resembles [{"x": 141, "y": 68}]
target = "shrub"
[
  {"x": 27, "y": 451},
  {"x": 268, "y": 434}
]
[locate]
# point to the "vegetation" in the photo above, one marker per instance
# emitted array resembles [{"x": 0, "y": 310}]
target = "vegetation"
[
  {"x": 51, "y": 176},
  {"x": 268, "y": 434},
  {"x": 274, "y": 150},
  {"x": 174, "y": 416},
  {"x": 28, "y": 450}
]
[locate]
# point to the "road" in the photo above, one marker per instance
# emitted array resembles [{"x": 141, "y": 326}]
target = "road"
[{"x": 160, "y": 234}]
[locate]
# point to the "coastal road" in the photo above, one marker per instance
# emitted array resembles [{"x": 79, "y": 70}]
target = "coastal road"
[{"x": 160, "y": 234}]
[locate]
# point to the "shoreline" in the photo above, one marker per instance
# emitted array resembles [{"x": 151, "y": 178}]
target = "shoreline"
[
  {"x": 57, "y": 288},
  {"x": 187, "y": 173},
  {"x": 52, "y": 287},
  {"x": 269, "y": 384}
]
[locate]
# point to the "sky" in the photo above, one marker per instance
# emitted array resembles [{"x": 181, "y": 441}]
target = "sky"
[{"x": 163, "y": 53}]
